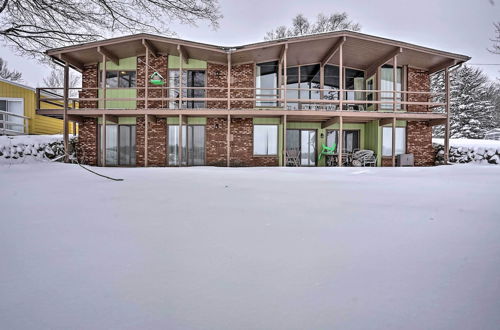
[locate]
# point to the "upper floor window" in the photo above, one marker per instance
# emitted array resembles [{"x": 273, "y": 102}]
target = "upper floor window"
[
  {"x": 119, "y": 79},
  {"x": 193, "y": 82},
  {"x": 386, "y": 84},
  {"x": 266, "y": 83}
]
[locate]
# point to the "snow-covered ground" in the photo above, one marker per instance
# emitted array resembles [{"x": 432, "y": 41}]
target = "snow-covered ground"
[{"x": 259, "y": 248}]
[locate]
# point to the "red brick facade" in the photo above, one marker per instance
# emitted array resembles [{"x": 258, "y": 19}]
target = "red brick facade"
[
  {"x": 419, "y": 134},
  {"x": 87, "y": 142},
  {"x": 89, "y": 80},
  {"x": 160, "y": 64},
  {"x": 242, "y": 76}
]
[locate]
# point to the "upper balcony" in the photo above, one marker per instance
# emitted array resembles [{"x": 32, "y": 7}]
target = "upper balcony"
[{"x": 319, "y": 74}]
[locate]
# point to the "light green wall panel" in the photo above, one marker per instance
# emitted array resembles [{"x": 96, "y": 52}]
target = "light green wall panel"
[
  {"x": 196, "y": 120},
  {"x": 119, "y": 93},
  {"x": 129, "y": 63},
  {"x": 121, "y": 121},
  {"x": 174, "y": 63},
  {"x": 190, "y": 121},
  {"x": 266, "y": 121}
]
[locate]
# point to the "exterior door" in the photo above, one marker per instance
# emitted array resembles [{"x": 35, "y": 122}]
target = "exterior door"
[
  {"x": 305, "y": 142},
  {"x": 193, "y": 145}
]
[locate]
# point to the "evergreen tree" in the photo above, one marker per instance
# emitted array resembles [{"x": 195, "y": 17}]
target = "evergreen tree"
[{"x": 472, "y": 104}]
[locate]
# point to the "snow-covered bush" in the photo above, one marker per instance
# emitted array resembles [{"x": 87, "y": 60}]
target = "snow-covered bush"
[
  {"x": 468, "y": 151},
  {"x": 33, "y": 147}
]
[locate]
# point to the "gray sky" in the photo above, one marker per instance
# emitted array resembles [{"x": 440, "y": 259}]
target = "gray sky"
[{"x": 460, "y": 26}]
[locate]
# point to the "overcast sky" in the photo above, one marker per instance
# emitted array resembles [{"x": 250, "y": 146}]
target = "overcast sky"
[{"x": 459, "y": 26}]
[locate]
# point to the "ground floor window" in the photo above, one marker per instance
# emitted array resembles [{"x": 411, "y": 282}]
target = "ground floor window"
[
  {"x": 350, "y": 140},
  {"x": 120, "y": 145},
  {"x": 193, "y": 145},
  {"x": 265, "y": 140},
  {"x": 387, "y": 141},
  {"x": 301, "y": 144},
  {"x": 16, "y": 107}
]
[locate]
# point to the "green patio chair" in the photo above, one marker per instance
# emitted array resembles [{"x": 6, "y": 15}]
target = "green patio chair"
[{"x": 327, "y": 151}]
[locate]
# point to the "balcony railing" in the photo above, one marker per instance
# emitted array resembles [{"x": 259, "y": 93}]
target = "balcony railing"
[{"x": 319, "y": 99}]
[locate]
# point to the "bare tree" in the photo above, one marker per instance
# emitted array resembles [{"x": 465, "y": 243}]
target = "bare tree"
[
  {"x": 5, "y": 73},
  {"x": 496, "y": 39},
  {"x": 324, "y": 23},
  {"x": 56, "y": 79},
  {"x": 32, "y": 26}
]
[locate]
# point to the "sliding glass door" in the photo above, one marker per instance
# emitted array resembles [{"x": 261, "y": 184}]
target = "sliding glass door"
[
  {"x": 350, "y": 141},
  {"x": 120, "y": 145},
  {"x": 303, "y": 141},
  {"x": 193, "y": 145}
]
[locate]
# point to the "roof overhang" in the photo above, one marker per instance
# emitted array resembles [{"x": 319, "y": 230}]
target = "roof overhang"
[{"x": 360, "y": 51}]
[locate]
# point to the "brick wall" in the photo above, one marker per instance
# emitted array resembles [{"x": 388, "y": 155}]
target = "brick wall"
[
  {"x": 241, "y": 145},
  {"x": 419, "y": 142},
  {"x": 419, "y": 134},
  {"x": 89, "y": 80},
  {"x": 157, "y": 142},
  {"x": 242, "y": 76},
  {"x": 160, "y": 64},
  {"x": 215, "y": 142},
  {"x": 87, "y": 142}
]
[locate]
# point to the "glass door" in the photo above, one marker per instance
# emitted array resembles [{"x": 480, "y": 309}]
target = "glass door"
[
  {"x": 193, "y": 145},
  {"x": 303, "y": 141},
  {"x": 308, "y": 148}
]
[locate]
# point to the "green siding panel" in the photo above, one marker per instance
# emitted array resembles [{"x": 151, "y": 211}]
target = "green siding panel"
[
  {"x": 266, "y": 121},
  {"x": 174, "y": 63},
  {"x": 129, "y": 63},
  {"x": 119, "y": 93}
]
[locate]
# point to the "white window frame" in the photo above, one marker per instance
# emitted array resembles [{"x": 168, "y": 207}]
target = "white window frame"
[
  {"x": 269, "y": 151},
  {"x": 14, "y": 99},
  {"x": 389, "y": 128}
]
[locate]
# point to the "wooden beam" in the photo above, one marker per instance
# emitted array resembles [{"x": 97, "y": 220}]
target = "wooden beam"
[
  {"x": 146, "y": 79},
  {"x": 282, "y": 53},
  {"x": 394, "y": 142},
  {"x": 394, "y": 81},
  {"x": 339, "y": 141},
  {"x": 341, "y": 76},
  {"x": 150, "y": 47},
  {"x": 65, "y": 115},
  {"x": 183, "y": 54},
  {"x": 228, "y": 141},
  {"x": 448, "y": 114},
  {"x": 330, "y": 122},
  {"x": 285, "y": 77},
  {"x": 179, "y": 150},
  {"x": 385, "y": 121},
  {"x": 283, "y": 121},
  {"x": 146, "y": 130},
  {"x": 103, "y": 81},
  {"x": 228, "y": 81},
  {"x": 381, "y": 61},
  {"x": 103, "y": 140},
  {"x": 332, "y": 51},
  {"x": 110, "y": 56},
  {"x": 442, "y": 66}
]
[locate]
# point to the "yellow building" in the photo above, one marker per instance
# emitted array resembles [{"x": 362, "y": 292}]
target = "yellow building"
[{"x": 18, "y": 111}]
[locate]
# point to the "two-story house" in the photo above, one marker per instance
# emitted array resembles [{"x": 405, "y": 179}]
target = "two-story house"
[{"x": 154, "y": 101}]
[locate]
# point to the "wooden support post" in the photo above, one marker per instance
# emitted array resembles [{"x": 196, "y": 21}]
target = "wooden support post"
[
  {"x": 103, "y": 140},
  {"x": 393, "y": 141},
  {"x": 65, "y": 113},
  {"x": 228, "y": 81},
  {"x": 448, "y": 110},
  {"x": 285, "y": 77},
  {"x": 179, "y": 156},
  {"x": 180, "y": 75},
  {"x": 341, "y": 76},
  {"x": 228, "y": 141},
  {"x": 284, "y": 140},
  {"x": 321, "y": 82},
  {"x": 146, "y": 129},
  {"x": 394, "y": 81},
  {"x": 146, "y": 80},
  {"x": 340, "y": 140},
  {"x": 103, "y": 80},
  {"x": 38, "y": 103}
]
